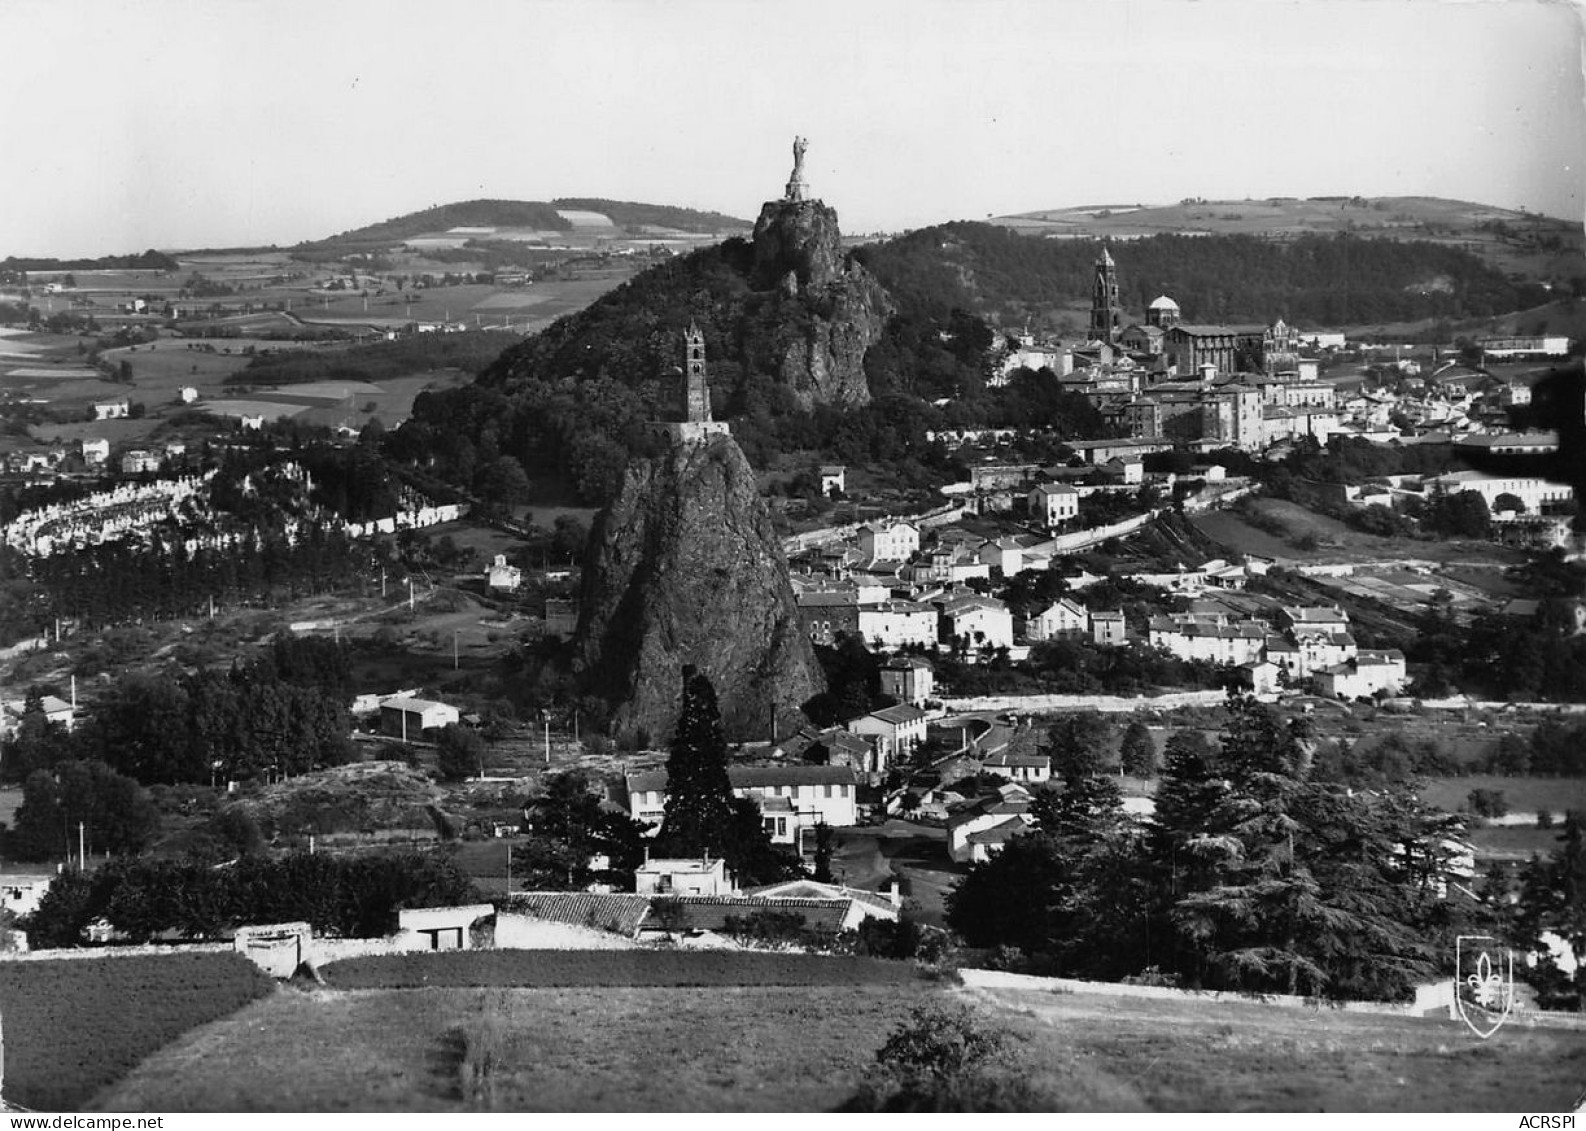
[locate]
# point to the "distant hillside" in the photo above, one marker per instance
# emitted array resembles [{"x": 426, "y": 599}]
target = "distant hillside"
[
  {"x": 1566, "y": 317},
  {"x": 1520, "y": 243},
  {"x": 1312, "y": 280},
  {"x": 150, "y": 260},
  {"x": 468, "y": 213},
  {"x": 530, "y": 214},
  {"x": 571, "y": 404},
  {"x": 631, "y": 214}
]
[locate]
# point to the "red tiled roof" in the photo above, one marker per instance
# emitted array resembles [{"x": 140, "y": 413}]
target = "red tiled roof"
[
  {"x": 621, "y": 914},
  {"x": 711, "y": 912}
]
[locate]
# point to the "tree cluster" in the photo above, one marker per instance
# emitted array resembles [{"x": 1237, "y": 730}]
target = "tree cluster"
[
  {"x": 1252, "y": 875},
  {"x": 568, "y": 828},
  {"x": 1329, "y": 280},
  {"x": 468, "y": 350},
  {"x": 197, "y": 728},
  {"x": 1499, "y": 656},
  {"x": 114, "y": 812},
  {"x": 122, "y": 582},
  {"x": 1552, "y": 900},
  {"x": 145, "y": 898}
]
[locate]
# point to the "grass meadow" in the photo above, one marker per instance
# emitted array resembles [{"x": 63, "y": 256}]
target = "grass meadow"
[
  {"x": 1524, "y": 795},
  {"x": 804, "y": 1048},
  {"x": 1289, "y": 522}
]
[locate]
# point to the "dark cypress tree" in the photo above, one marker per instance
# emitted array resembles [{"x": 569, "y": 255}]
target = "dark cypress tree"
[
  {"x": 1294, "y": 885},
  {"x": 1183, "y": 857},
  {"x": 1553, "y": 900},
  {"x": 1138, "y": 751},
  {"x": 699, "y": 801}
]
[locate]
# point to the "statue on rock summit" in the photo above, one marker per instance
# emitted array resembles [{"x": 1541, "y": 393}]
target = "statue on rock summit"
[{"x": 795, "y": 184}]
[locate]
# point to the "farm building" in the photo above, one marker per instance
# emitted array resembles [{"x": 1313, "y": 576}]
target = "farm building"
[
  {"x": 404, "y": 717},
  {"x": 56, "y": 711},
  {"x": 896, "y": 731},
  {"x": 276, "y": 948},
  {"x": 440, "y": 928},
  {"x": 139, "y": 462},
  {"x": 1368, "y": 673},
  {"x": 503, "y": 576},
  {"x": 1052, "y": 504},
  {"x": 978, "y": 832},
  {"x": 21, "y": 894},
  {"x": 684, "y": 877},
  {"x": 1020, "y": 768},
  {"x": 1063, "y": 618},
  {"x": 983, "y": 621},
  {"x": 697, "y": 920},
  {"x": 793, "y": 800},
  {"x": 112, "y": 410},
  {"x": 908, "y": 679},
  {"x": 1108, "y": 628}
]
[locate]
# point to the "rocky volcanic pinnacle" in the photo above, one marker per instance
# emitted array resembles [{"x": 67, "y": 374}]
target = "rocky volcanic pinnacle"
[
  {"x": 835, "y": 308},
  {"x": 685, "y": 569}
]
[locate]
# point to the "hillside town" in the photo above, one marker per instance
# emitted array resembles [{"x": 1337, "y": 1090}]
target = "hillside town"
[{"x": 772, "y": 609}]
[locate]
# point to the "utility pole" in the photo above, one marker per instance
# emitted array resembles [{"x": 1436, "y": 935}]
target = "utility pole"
[
  {"x": 410, "y": 594},
  {"x": 547, "y": 716},
  {"x": 82, "y": 850},
  {"x": 454, "y": 649},
  {"x": 509, "y": 867}
]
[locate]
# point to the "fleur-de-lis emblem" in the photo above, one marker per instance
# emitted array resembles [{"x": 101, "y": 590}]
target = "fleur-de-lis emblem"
[{"x": 1486, "y": 986}]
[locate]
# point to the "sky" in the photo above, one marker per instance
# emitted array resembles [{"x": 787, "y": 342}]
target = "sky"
[{"x": 201, "y": 123}]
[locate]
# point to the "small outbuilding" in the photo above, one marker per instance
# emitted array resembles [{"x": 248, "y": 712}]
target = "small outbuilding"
[{"x": 404, "y": 717}]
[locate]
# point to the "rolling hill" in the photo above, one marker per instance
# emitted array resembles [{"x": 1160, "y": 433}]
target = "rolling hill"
[
  {"x": 1519, "y": 243},
  {"x": 491, "y": 218}
]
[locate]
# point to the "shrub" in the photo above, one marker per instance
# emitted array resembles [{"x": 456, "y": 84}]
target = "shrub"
[
  {"x": 1544, "y": 819},
  {"x": 1487, "y": 802},
  {"x": 943, "y": 1059},
  {"x": 481, "y": 1046}
]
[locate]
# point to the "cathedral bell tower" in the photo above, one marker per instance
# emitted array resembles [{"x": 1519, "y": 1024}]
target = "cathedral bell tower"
[{"x": 1106, "y": 319}]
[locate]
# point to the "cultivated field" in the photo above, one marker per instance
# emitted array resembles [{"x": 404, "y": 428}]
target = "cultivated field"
[
  {"x": 52, "y": 369},
  {"x": 558, "y": 968},
  {"x": 73, "y": 1026}
]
